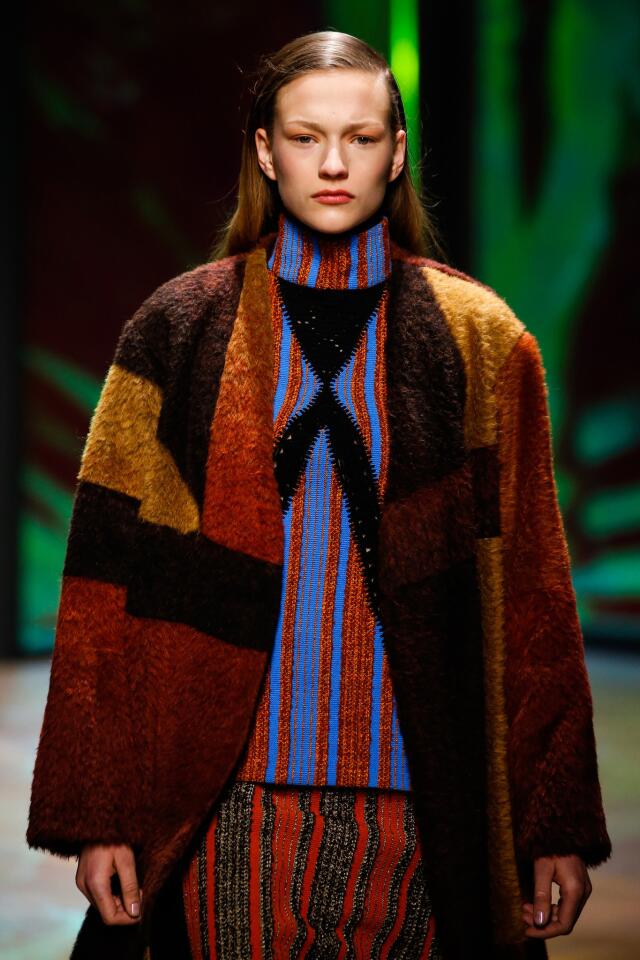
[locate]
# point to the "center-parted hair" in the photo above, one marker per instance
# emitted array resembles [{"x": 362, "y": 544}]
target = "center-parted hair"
[{"x": 258, "y": 202}]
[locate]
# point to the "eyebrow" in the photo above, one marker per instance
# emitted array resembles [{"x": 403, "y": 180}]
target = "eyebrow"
[{"x": 349, "y": 126}]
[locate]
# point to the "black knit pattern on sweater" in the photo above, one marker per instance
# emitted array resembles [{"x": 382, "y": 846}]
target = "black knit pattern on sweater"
[{"x": 328, "y": 325}]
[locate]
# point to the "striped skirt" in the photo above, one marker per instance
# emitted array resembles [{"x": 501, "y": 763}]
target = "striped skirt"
[{"x": 283, "y": 872}]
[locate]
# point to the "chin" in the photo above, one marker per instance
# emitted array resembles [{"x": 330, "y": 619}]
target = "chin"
[{"x": 336, "y": 219}]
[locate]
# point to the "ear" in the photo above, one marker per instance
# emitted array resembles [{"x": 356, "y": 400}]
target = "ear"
[
  {"x": 399, "y": 155},
  {"x": 263, "y": 150}
]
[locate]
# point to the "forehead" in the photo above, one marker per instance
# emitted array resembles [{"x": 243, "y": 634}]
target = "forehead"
[{"x": 336, "y": 95}]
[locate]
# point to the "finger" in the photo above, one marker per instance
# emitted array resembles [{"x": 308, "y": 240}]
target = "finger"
[
  {"x": 126, "y": 866},
  {"x": 84, "y": 889},
  {"x": 121, "y": 913},
  {"x": 552, "y": 925},
  {"x": 543, "y": 875},
  {"x": 81, "y": 880},
  {"x": 99, "y": 883},
  {"x": 555, "y": 927},
  {"x": 81, "y": 883},
  {"x": 551, "y": 929},
  {"x": 527, "y": 912},
  {"x": 586, "y": 893},
  {"x": 569, "y": 906},
  {"x": 106, "y": 901}
]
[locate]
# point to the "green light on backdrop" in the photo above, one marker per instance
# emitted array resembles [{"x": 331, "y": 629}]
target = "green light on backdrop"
[
  {"x": 42, "y": 545},
  {"x": 46, "y": 511},
  {"x": 67, "y": 378},
  {"x": 612, "y": 574},
  {"x": 608, "y": 429},
  {"x": 405, "y": 64},
  {"x": 611, "y": 512}
]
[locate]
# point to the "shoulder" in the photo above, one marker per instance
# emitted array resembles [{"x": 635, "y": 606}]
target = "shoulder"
[
  {"x": 465, "y": 301},
  {"x": 196, "y": 287},
  {"x": 185, "y": 296},
  {"x": 170, "y": 316}
]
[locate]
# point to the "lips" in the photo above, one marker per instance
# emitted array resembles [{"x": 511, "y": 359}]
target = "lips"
[
  {"x": 333, "y": 193},
  {"x": 333, "y": 199}
]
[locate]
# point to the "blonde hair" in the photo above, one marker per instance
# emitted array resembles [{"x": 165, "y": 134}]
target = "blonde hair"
[{"x": 259, "y": 205}]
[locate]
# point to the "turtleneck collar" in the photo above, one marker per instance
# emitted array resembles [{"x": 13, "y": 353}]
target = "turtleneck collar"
[{"x": 360, "y": 257}]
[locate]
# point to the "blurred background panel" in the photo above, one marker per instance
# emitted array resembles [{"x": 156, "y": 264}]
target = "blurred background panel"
[{"x": 555, "y": 204}]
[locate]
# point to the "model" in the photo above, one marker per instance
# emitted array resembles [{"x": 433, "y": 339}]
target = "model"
[{"x": 318, "y": 685}]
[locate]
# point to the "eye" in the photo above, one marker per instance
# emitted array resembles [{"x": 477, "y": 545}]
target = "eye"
[{"x": 306, "y": 137}]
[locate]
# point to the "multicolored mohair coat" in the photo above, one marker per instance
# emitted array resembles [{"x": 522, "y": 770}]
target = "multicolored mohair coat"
[{"x": 172, "y": 583}]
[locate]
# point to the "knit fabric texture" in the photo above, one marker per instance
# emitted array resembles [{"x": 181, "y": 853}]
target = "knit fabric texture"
[
  {"x": 327, "y": 714},
  {"x": 284, "y": 871}
]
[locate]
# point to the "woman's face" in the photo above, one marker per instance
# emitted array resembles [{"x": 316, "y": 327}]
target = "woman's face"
[{"x": 331, "y": 132}]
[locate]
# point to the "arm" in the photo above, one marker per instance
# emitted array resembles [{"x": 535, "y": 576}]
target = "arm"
[
  {"x": 555, "y": 790},
  {"x": 87, "y": 781}
]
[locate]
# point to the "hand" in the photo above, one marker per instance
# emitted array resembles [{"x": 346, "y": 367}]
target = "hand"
[
  {"x": 570, "y": 873},
  {"x": 96, "y": 865}
]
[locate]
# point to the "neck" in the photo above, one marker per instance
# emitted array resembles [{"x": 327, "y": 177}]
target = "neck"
[{"x": 359, "y": 257}]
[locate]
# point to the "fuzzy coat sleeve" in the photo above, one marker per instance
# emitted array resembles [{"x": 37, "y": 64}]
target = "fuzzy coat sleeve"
[
  {"x": 555, "y": 790},
  {"x": 89, "y": 763}
]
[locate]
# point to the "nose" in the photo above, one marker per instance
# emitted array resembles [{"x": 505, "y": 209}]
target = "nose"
[{"x": 333, "y": 163}]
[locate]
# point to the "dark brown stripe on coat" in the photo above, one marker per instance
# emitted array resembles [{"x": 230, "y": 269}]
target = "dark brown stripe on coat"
[
  {"x": 186, "y": 578},
  {"x": 486, "y": 482},
  {"x": 428, "y": 531},
  {"x": 426, "y": 386},
  {"x": 435, "y": 651},
  {"x": 101, "y": 534}
]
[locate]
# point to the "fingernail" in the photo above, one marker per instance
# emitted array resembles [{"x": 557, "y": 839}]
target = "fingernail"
[
  {"x": 540, "y": 917},
  {"x": 135, "y": 908}
]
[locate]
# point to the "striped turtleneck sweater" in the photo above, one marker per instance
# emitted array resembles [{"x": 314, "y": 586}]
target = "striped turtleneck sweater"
[{"x": 326, "y": 714}]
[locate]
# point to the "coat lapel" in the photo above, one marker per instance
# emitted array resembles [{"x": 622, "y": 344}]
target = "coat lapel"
[
  {"x": 430, "y": 606},
  {"x": 242, "y": 505}
]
